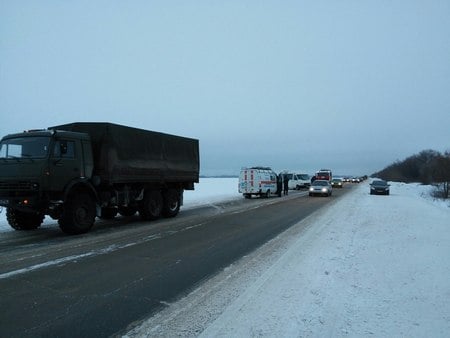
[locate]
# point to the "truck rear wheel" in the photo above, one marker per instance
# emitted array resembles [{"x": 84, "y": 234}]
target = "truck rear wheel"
[
  {"x": 79, "y": 214},
  {"x": 23, "y": 220},
  {"x": 171, "y": 203},
  {"x": 151, "y": 206}
]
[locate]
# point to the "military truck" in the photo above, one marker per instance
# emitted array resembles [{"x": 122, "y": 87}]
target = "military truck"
[{"x": 79, "y": 171}]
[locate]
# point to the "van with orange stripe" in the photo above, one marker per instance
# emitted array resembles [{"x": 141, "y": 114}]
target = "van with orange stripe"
[{"x": 258, "y": 181}]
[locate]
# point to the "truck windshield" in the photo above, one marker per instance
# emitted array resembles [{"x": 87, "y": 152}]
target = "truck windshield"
[{"x": 25, "y": 147}]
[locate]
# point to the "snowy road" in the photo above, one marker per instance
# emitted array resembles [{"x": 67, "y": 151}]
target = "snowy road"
[
  {"x": 368, "y": 266},
  {"x": 124, "y": 269}
]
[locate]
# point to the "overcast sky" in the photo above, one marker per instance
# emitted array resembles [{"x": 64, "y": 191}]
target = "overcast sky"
[{"x": 346, "y": 85}]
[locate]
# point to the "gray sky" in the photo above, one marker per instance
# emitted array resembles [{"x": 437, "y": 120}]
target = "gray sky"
[{"x": 346, "y": 85}]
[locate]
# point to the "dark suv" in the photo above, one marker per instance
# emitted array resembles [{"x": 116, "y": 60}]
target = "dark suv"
[{"x": 379, "y": 187}]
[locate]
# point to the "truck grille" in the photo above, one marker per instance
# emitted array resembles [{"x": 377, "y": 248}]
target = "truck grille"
[{"x": 18, "y": 186}]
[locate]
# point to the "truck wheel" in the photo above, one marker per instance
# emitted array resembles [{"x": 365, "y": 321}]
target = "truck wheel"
[
  {"x": 151, "y": 206},
  {"x": 127, "y": 211},
  {"x": 171, "y": 203},
  {"x": 79, "y": 214},
  {"x": 247, "y": 195},
  {"x": 23, "y": 220}
]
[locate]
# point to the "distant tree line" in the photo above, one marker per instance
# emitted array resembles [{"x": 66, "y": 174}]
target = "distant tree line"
[{"x": 427, "y": 167}]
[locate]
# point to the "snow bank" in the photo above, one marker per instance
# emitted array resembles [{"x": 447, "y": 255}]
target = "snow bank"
[{"x": 211, "y": 190}]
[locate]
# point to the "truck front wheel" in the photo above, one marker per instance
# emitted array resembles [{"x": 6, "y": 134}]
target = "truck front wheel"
[
  {"x": 151, "y": 206},
  {"x": 79, "y": 214},
  {"x": 23, "y": 220},
  {"x": 171, "y": 203}
]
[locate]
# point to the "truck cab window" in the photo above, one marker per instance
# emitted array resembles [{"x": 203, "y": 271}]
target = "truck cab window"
[{"x": 64, "y": 149}]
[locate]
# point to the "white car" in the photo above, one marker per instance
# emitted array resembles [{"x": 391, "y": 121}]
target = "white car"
[{"x": 320, "y": 187}]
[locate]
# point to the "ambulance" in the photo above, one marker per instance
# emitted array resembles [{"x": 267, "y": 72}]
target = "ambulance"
[{"x": 259, "y": 181}]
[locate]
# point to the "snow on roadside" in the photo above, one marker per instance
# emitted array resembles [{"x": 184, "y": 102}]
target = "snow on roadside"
[
  {"x": 211, "y": 190},
  {"x": 365, "y": 266}
]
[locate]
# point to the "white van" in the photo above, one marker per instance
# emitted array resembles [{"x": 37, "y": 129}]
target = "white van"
[
  {"x": 259, "y": 181},
  {"x": 304, "y": 180},
  {"x": 297, "y": 181}
]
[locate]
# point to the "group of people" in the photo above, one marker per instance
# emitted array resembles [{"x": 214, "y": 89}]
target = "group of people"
[{"x": 282, "y": 184}]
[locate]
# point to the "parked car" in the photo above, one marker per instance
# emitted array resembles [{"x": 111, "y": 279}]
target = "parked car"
[
  {"x": 379, "y": 187},
  {"x": 320, "y": 187},
  {"x": 337, "y": 182}
]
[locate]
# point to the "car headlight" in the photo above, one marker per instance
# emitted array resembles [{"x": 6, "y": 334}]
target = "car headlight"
[{"x": 324, "y": 189}]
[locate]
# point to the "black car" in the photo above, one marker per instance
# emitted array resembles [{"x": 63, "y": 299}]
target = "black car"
[{"x": 379, "y": 187}]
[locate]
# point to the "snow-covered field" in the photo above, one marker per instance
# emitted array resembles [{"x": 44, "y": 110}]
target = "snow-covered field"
[{"x": 364, "y": 266}]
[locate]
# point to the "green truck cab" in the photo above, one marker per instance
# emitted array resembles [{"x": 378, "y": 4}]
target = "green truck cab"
[{"x": 79, "y": 171}]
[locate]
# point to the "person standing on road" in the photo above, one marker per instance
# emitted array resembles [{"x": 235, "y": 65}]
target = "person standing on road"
[
  {"x": 279, "y": 184},
  {"x": 286, "y": 184}
]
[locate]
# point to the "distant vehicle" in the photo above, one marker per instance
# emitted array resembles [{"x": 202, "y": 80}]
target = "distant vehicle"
[
  {"x": 320, "y": 187},
  {"x": 379, "y": 187},
  {"x": 356, "y": 180},
  {"x": 324, "y": 174},
  {"x": 296, "y": 181},
  {"x": 304, "y": 180},
  {"x": 337, "y": 182},
  {"x": 258, "y": 181}
]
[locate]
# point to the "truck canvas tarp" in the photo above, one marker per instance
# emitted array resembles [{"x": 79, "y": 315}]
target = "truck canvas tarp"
[{"x": 123, "y": 154}]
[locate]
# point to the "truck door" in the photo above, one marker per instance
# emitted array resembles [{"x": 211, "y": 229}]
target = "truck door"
[{"x": 65, "y": 164}]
